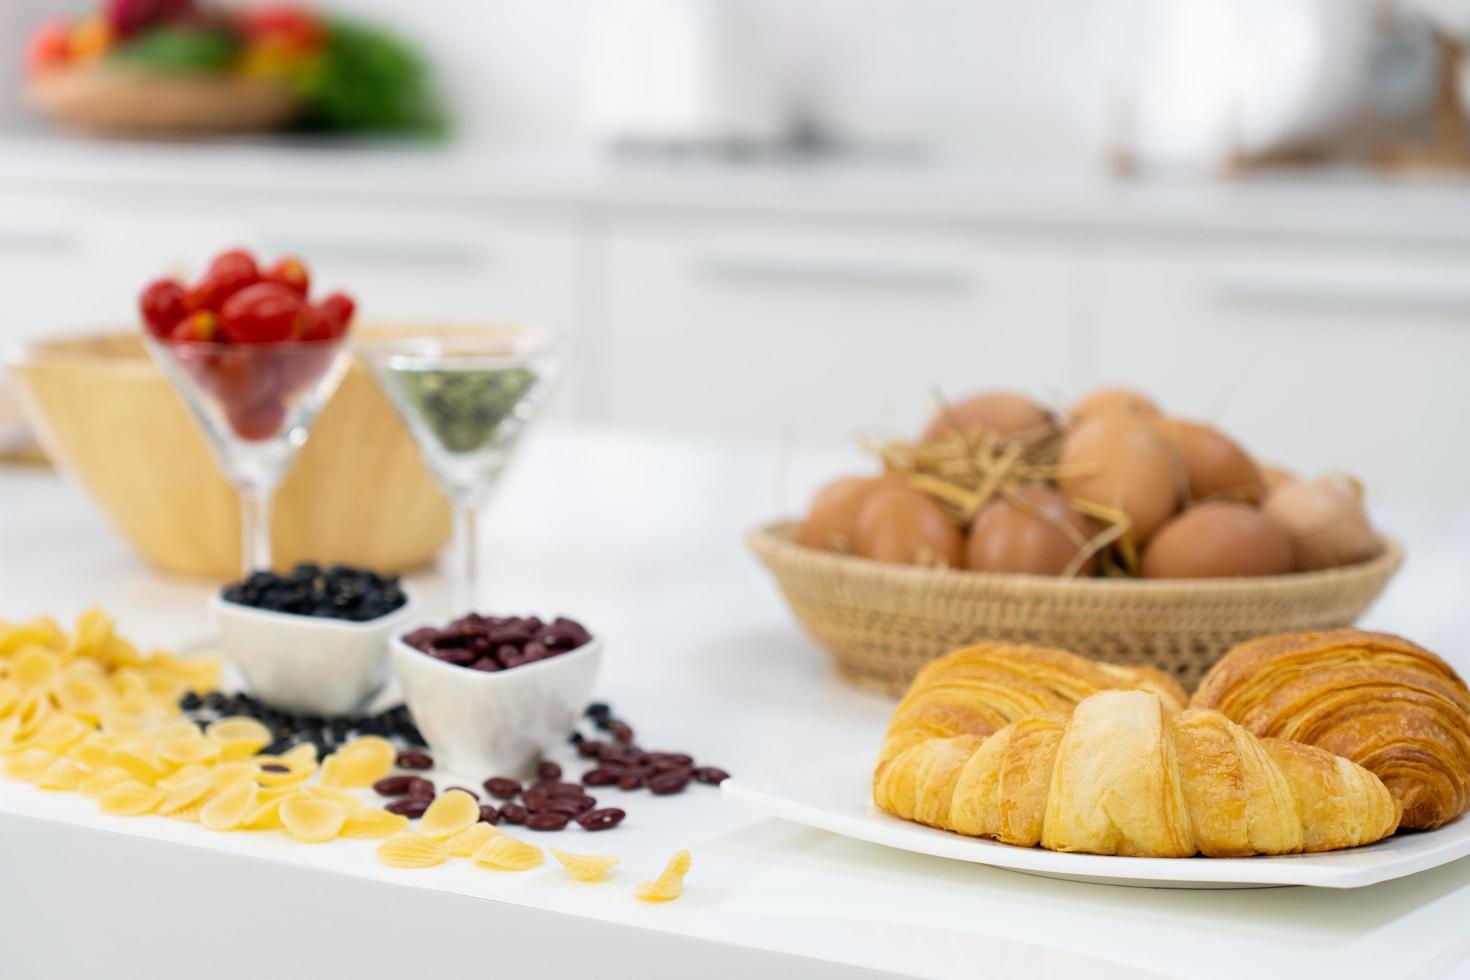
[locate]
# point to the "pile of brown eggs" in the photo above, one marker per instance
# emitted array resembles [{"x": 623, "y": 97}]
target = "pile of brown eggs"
[{"x": 1112, "y": 486}]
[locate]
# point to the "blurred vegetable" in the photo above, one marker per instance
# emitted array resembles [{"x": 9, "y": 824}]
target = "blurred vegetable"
[
  {"x": 91, "y": 38},
  {"x": 367, "y": 78},
  {"x": 181, "y": 49},
  {"x": 49, "y": 47},
  {"x": 284, "y": 26},
  {"x": 129, "y": 17}
]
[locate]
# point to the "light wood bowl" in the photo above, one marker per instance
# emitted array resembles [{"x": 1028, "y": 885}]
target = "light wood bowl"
[
  {"x": 357, "y": 492},
  {"x": 115, "y": 102}
]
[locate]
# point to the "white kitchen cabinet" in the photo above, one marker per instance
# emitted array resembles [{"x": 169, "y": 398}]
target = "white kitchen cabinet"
[
  {"x": 1317, "y": 355},
  {"x": 822, "y": 330}
]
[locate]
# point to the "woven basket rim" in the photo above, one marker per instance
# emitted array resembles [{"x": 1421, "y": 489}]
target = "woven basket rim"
[{"x": 776, "y": 543}]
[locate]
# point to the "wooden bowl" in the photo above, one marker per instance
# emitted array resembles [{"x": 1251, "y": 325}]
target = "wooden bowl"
[
  {"x": 117, "y": 102},
  {"x": 357, "y": 492},
  {"x": 882, "y": 623}
]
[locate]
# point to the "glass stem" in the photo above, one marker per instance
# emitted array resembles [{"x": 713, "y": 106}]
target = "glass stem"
[
  {"x": 255, "y": 527},
  {"x": 465, "y": 579}
]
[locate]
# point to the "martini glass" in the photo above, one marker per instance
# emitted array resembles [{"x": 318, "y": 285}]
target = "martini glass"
[
  {"x": 255, "y": 403},
  {"x": 466, "y": 394}
]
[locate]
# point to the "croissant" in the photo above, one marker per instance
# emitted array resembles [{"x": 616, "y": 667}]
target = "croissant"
[
  {"x": 1124, "y": 774},
  {"x": 1387, "y": 704},
  {"x": 977, "y": 690}
]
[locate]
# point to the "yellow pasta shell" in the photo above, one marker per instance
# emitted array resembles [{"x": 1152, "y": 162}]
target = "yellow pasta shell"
[
  {"x": 229, "y": 808},
  {"x": 369, "y": 824},
  {"x": 312, "y": 820},
  {"x": 450, "y": 813},
  {"x": 95, "y": 783},
  {"x": 505, "y": 853},
  {"x": 184, "y": 794},
  {"x": 361, "y": 762},
  {"x": 129, "y": 798},
  {"x": 63, "y": 774},
  {"x": 28, "y": 764},
  {"x": 469, "y": 840},
  {"x": 667, "y": 886},
  {"x": 585, "y": 867},
  {"x": 411, "y": 851}
]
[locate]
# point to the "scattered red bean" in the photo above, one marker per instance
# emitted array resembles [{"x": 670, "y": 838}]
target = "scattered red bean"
[
  {"x": 586, "y": 803},
  {"x": 414, "y": 759},
  {"x": 547, "y": 820},
  {"x": 393, "y": 785},
  {"x": 488, "y": 814},
  {"x": 713, "y": 775},
  {"x": 668, "y": 764},
  {"x": 548, "y": 772},
  {"x": 420, "y": 788},
  {"x": 599, "y": 777},
  {"x": 678, "y": 758},
  {"x": 409, "y": 806},
  {"x": 501, "y": 787},
  {"x": 462, "y": 789},
  {"x": 554, "y": 790},
  {"x": 513, "y": 813},
  {"x": 621, "y": 731},
  {"x": 274, "y": 767},
  {"x": 632, "y": 778},
  {"x": 666, "y": 783},
  {"x": 605, "y": 819},
  {"x": 567, "y": 808},
  {"x": 590, "y": 749}
]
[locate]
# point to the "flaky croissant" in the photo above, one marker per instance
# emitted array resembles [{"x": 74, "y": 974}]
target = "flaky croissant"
[
  {"x": 979, "y": 689},
  {"x": 1387, "y": 704},
  {"x": 1125, "y": 775}
]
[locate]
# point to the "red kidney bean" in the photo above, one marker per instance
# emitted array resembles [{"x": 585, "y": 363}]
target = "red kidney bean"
[
  {"x": 414, "y": 759},
  {"x": 669, "y": 782},
  {"x": 599, "y": 777},
  {"x": 548, "y": 772},
  {"x": 461, "y": 789},
  {"x": 621, "y": 731},
  {"x": 567, "y": 808},
  {"x": 420, "y": 788},
  {"x": 556, "y": 790},
  {"x": 632, "y": 778},
  {"x": 513, "y": 813},
  {"x": 605, "y": 819},
  {"x": 501, "y": 787},
  {"x": 713, "y": 775},
  {"x": 586, "y": 803},
  {"x": 488, "y": 814},
  {"x": 590, "y": 748},
  {"x": 676, "y": 757},
  {"x": 274, "y": 767},
  {"x": 410, "y": 806},
  {"x": 547, "y": 820},
  {"x": 393, "y": 785},
  {"x": 667, "y": 764}
]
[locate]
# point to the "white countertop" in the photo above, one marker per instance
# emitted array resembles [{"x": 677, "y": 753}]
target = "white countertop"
[
  {"x": 641, "y": 537},
  {"x": 1333, "y": 204}
]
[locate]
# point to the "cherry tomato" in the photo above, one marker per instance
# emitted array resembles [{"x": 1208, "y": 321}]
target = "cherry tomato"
[
  {"x": 290, "y": 272},
  {"x": 258, "y": 421},
  {"x": 49, "y": 47},
  {"x": 336, "y": 311},
  {"x": 241, "y": 375},
  {"x": 199, "y": 325},
  {"x": 229, "y": 273},
  {"x": 162, "y": 306},
  {"x": 291, "y": 27},
  {"x": 129, "y": 17},
  {"x": 264, "y": 313}
]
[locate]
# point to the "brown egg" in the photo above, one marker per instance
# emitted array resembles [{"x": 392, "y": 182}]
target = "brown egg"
[
  {"x": 833, "y": 517},
  {"x": 1124, "y": 462},
  {"x": 1105, "y": 400},
  {"x": 1033, "y": 539},
  {"x": 1000, "y": 412},
  {"x": 1218, "y": 540},
  {"x": 1326, "y": 522},
  {"x": 1215, "y": 465},
  {"x": 904, "y": 525}
]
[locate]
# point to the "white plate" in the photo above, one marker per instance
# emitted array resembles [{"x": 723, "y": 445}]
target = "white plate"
[{"x": 836, "y": 796}]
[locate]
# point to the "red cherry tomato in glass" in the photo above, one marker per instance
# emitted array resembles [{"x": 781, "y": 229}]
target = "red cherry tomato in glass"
[
  {"x": 258, "y": 421},
  {"x": 337, "y": 311},
  {"x": 229, "y": 273},
  {"x": 290, "y": 272},
  {"x": 264, "y": 313},
  {"x": 162, "y": 306},
  {"x": 201, "y": 325}
]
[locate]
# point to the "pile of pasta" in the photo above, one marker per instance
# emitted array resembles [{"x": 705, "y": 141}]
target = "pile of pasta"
[{"x": 87, "y": 712}]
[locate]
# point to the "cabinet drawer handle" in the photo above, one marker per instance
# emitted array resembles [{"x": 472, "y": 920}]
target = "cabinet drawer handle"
[
  {"x": 1338, "y": 291},
  {"x": 831, "y": 270},
  {"x": 394, "y": 252}
]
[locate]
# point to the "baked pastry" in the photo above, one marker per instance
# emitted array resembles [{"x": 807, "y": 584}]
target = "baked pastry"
[
  {"x": 1124, "y": 774},
  {"x": 979, "y": 689},
  {"x": 1387, "y": 704}
]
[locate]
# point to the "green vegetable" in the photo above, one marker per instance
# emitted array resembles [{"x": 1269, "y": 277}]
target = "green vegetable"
[
  {"x": 367, "y": 78},
  {"x": 468, "y": 410},
  {"x": 180, "y": 50}
]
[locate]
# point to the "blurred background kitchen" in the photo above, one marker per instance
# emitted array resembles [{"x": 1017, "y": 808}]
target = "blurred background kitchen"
[{"x": 799, "y": 221}]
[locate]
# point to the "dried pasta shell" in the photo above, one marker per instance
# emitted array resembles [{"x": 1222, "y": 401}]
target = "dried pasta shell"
[
  {"x": 305, "y": 752},
  {"x": 469, "y": 840},
  {"x": 28, "y": 764},
  {"x": 266, "y": 815},
  {"x": 58, "y": 733},
  {"x": 82, "y": 696},
  {"x": 186, "y": 747},
  {"x": 667, "y": 886},
  {"x": 33, "y": 667},
  {"x": 342, "y": 798},
  {"x": 505, "y": 853},
  {"x": 9, "y": 696},
  {"x": 229, "y": 807},
  {"x": 450, "y": 813},
  {"x": 231, "y": 772},
  {"x": 286, "y": 769},
  {"x": 411, "y": 851},
  {"x": 312, "y": 820},
  {"x": 187, "y": 774},
  {"x": 238, "y": 737},
  {"x": 95, "y": 783},
  {"x": 361, "y": 762},
  {"x": 94, "y": 750},
  {"x": 63, "y": 774},
  {"x": 585, "y": 867},
  {"x": 130, "y": 798},
  {"x": 137, "y": 759},
  {"x": 183, "y": 795},
  {"x": 373, "y": 824}
]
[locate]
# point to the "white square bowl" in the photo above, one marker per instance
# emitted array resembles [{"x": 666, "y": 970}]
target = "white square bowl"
[
  {"x": 308, "y": 664},
  {"x": 480, "y": 724}
]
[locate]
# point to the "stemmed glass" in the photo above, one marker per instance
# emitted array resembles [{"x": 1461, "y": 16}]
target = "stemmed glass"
[
  {"x": 466, "y": 394},
  {"x": 255, "y": 404}
]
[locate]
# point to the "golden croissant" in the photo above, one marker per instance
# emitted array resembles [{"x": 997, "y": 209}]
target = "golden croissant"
[
  {"x": 977, "y": 690},
  {"x": 1125, "y": 774},
  {"x": 1387, "y": 704}
]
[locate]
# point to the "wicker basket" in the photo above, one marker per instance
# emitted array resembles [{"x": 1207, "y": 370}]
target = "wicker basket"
[
  {"x": 110, "y": 102},
  {"x": 882, "y": 622}
]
